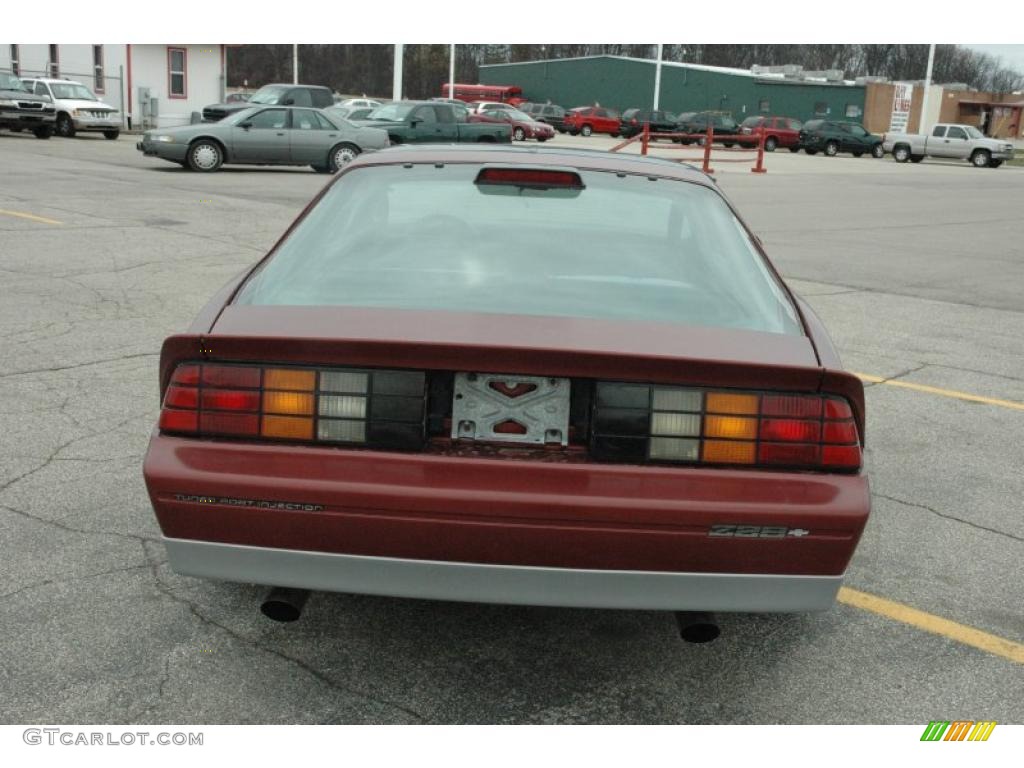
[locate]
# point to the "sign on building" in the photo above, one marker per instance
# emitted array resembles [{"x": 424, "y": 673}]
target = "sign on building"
[{"x": 902, "y": 97}]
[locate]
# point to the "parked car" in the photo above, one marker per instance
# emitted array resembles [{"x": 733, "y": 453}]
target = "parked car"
[
  {"x": 22, "y": 110},
  {"x": 350, "y": 113},
  {"x": 480, "y": 106},
  {"x": 414, "y": 122},
  {"x": 374, "y": 408},
  {"x": 237, "y": 98},
  {"x": 697, "y": 123},
  {"x": 363, "y": 102},
  {"x": 276, "y": 94},
  {"x": 552, "y": 114},
  {"x": 523, "y": 126},
  {"x": 262, "y": 135},
  {"x": 835, "y": 136},
  {"x": 660, "y": 121},
  {"x": 777, "y": 131},
  {"x": 587, "y": 120},
  {"x": 77, "y": 108},
  {"x": 961, "y": 142}
]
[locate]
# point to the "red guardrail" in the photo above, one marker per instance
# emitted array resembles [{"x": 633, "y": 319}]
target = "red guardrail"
[{"x": 645, "y": 137}]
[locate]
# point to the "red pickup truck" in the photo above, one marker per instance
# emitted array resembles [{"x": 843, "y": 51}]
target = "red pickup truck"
[{"x": 588, "y": 120}]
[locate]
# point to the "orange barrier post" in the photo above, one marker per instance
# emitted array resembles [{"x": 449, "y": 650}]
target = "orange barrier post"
[
  {"x": 759, "y": 167},
  {"x": 647, "y": 138},
  {"x": 708, "y": 141}
]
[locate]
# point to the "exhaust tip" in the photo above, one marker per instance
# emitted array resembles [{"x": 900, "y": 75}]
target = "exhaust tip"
[
  {"x": 698, "y": 627},
  {"x": 284, "y": 605}
]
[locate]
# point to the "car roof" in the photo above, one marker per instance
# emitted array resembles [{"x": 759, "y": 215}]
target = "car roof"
[
  {"x": 554, "y": 157},
  {"x": 51, "y": 80}
]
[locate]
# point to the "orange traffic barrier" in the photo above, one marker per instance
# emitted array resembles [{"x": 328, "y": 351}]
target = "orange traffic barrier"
[{"x": 646, "y": 136}]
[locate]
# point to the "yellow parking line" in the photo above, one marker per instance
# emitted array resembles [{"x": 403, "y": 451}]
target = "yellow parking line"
[
  {"x": 30, "y": 217},
  {"x": 943, "y": 392},
  {"x": 961, "y": 633}
]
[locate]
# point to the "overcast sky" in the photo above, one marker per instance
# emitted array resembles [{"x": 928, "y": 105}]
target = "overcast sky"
[{"x": 1011, "y": 54}]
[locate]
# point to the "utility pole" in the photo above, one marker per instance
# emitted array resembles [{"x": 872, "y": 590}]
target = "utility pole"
[
  {"x": 295, "y": 63},
  {"x": 396, "y": 86},
  {"x": 657, "y": 77},
  {"x": 451, "y": 74},
  {"x": 922, "y": 126}
]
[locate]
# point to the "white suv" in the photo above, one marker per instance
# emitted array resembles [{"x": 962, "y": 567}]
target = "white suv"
[{"x": 78, "y": 108}]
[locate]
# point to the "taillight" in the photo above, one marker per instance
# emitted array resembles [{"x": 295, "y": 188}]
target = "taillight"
[
  {"x": 637, "y": 422},
  {"x": 380, "y": 408}
]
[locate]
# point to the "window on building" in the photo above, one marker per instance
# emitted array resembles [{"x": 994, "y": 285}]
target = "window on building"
[
  {"x": 177, "y": 81},
  {"x": 852, "y": 110},
  {"x": 97, "y": 68},
  {"x": 820, "y": 108},
  {"x": 764, "y": 105},
  {"x": 54, "y": 61},
  {"x": 15, "y": 61}
]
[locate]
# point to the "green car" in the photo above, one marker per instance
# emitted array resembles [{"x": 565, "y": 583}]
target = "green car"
[
  {"x": 834, "y": 136},
  {"x": 265, "y": 135}
]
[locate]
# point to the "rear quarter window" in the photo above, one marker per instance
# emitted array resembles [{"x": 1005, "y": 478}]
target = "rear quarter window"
[{"x": 625, "y": 248}]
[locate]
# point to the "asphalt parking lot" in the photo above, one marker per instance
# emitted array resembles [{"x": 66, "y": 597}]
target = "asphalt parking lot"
[{"x": 917, "y": 271}]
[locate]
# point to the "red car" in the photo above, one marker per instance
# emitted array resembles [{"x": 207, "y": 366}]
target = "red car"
[
  {"x": 588, "y": 120},
  {"x": 523, "y": 126},
  {"x": 369, "y": 410},
  {"x": 778, "y": 132}
]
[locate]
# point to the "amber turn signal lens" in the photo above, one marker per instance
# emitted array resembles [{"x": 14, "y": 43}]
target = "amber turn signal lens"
[
  {"x": 730, "y": 426},
  {"x": 298, "y": 403},
  {"x": 288, "y": 427},
  {"x": 729, "y": 451},
  {"x": 286, "y": 378},
  {"x": 727, "y": 402}
]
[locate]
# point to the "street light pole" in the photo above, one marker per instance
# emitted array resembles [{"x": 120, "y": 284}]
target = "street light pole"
[
  {"x": 451, "y": 74},
  {"x": 922, "y": 126},
  {"x": 295, "y": 63},
  {"x": 396, "y": 85},
  {"x": 657, "y": 78}
]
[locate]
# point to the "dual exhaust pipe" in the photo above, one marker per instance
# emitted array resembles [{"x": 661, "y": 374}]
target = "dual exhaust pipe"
[{"x": 285, "y": 604}]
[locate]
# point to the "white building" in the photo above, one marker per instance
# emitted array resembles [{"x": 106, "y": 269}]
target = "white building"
[{"x": 154, "y": 86}]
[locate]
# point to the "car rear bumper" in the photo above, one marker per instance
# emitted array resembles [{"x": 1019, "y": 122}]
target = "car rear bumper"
[
  {"x": 488, "y": 583},
  {"x": 459, "y": 508}
]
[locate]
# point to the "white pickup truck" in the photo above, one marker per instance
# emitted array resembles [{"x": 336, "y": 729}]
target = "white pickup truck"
[{"x": 963, "y": 142}]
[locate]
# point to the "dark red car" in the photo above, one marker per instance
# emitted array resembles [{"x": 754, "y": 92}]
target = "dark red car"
[
  {"x": 523, "y": 126},
  {"x": 369, "y": 410},
  {"x": 778, "y": 132},
  {"x": 588, "y": 120}
]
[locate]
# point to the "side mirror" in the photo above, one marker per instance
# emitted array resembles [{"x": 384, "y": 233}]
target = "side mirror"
[
  {"x": 246, "y": 125},
  {"x": 415, "y": 121},
  {"x": 288, "y": 102}
]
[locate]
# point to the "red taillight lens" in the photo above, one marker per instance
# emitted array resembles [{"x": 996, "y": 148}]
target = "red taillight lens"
[
  {"x": 790, "y": 430},
  {"x": 179, "y": 421},
  {"x": 182, "y": 397},
  {"x": 230, "y": 400},
  {"x": 230, "y": 376}
]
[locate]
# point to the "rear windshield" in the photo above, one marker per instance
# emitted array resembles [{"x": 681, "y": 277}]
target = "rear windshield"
[{"x": 627, "y": 248}]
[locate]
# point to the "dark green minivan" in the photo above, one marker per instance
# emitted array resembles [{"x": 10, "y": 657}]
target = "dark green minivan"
[{"x": 834, "y": 136}]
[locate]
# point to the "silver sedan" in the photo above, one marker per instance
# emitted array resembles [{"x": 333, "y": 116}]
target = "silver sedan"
[{"x": 268, "y": 135}]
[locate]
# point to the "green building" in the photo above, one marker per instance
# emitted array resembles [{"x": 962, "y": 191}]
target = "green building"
[{"x": 621, "y": 82}]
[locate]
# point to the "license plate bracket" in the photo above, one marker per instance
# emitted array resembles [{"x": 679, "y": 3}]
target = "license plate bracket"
[{"x": 509, "y": 408}]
